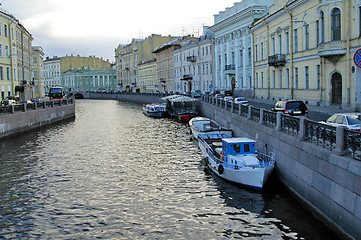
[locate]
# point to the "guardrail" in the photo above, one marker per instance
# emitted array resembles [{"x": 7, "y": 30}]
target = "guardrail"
[
  {"x": 10, "y": 109},
  {"x": 337, "y": 139}
]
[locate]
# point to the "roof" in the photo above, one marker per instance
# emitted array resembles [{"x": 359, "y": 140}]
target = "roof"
[{"x": 238, "y": 140}]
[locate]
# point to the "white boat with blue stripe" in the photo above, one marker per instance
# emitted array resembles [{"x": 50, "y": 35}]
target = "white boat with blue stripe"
[
  {"x": 236, "y": 159},
  {"x": 154, "y": 110}
]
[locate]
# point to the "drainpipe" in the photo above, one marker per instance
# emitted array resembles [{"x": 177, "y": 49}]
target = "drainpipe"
[
  {"x": 291, "y": 50},
  {"x": 348, "y": 63}
]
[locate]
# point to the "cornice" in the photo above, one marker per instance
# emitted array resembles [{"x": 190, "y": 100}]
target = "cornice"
[{"x": 237, "y": 17}]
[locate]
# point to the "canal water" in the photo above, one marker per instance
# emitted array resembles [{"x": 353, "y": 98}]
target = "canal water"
[{"x": 113, "y": 173}]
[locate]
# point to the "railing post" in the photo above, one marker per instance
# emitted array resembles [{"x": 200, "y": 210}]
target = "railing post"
[
  {"x": 302, "y": 132},
  {"x": 232, "y": 104},
  {"x": 35, "y": 105},
  {"x": 52, "y": 103},
  {"x": 240, "y": 109},
  {"x": 24, "y": 107},
  {"x": 12, "y": 108},
  {"x": 340, "y": 140},
  {"x": 249, "y": 112},
  {"x": 225, "y": 104},
  {"x": 278, "y": 121},
  {"x": 261, "y": 114}
]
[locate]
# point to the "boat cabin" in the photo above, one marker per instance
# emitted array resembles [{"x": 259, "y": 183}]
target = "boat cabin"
[{"x": 238, "y": 146}]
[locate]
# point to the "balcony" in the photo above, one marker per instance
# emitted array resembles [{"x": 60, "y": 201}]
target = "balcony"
[
  {"x": 191, "y": 58},
  {"x": 277, "y": 60},
  {"x": 162, "y": 80},
  {"x": 333, "y": 51},
  {"x": 187, "y": 77},
  {"x": 230, "y": 69}
]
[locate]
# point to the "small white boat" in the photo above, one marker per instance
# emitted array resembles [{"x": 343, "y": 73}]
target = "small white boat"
[
  {"x": 236, "y": 159},
  {"x": 154, "y": 110},
  {"x": 200, "y": 125}
]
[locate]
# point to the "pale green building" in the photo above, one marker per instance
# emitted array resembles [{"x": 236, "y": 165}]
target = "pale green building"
[{"x": 87, "y": 79}]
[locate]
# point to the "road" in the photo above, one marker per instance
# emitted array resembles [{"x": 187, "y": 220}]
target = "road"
[{"x": 312, "y": 114}]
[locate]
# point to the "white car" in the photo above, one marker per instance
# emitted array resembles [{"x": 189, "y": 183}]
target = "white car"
[
  {"x": 228, "y": 99},
  {"x": 351, "y": 121},
  {"x": 241, "y": 100}
]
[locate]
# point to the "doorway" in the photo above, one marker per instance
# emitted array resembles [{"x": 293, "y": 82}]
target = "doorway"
[{"x": 336, "y": 84}]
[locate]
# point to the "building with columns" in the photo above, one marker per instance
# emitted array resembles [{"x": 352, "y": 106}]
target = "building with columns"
[
  {"x": 87, "y": 79},
  {"x": 193, "y": 65},
  {"x": 304, "y": 50},
  {"x": 233, "y": 46}
]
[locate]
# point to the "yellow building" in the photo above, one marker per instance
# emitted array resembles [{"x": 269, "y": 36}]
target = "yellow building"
[
  {"x": 128, "y": 57},
  {"x": 15, "y": 54},
  {"x": 304, "y": 50},
  {"x": 37, "y": 78},
  {"x": 165, "y": 62},
  {"x": 147, "y": 73},
  {"x": 74, "y": 62}
]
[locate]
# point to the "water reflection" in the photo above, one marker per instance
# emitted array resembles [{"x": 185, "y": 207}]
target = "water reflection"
[{"x": 114, "y": 173}]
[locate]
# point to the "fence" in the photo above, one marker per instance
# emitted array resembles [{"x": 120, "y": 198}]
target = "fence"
[
  {"x": 9, "y": 109},
  {"x": 338, "y": 139}
]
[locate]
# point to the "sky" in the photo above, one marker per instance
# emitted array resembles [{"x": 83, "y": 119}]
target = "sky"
[{"x": 89, "y": 27}]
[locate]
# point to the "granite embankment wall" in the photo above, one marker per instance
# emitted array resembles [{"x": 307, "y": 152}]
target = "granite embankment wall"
[
  {"x": 328, "y": 184},
  {"x": 22, "y": 121}
]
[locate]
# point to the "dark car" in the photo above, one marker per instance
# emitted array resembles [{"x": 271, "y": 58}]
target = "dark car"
[{"x": 291, "y": 107}]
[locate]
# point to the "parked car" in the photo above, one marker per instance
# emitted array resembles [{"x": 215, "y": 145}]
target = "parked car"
[
  {"x": 352, "y": 121},
  {"x": 241, "y": 100},
  {"x": 219, "y": 95},
  {"x": 196, "y": 94},
  {"x": 228, "y": 99},
  {"x": 291, "y": 107}
]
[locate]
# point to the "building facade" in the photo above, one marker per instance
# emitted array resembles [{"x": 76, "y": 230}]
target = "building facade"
[
  {"x": 128, "y": 57},
  {"x": 304, "y": 50},
  {"x": 233, "y": 46},
  {"x": 51, "y": 71},
  {"x": 87, "y": 79},
  {"x": 37, "y": 77},
  {"x": 147, "y": 74},
  {"x": 15, "y": 55},
  {"x": 165, "y": 62},
  {"x": 193, "y": 66}
]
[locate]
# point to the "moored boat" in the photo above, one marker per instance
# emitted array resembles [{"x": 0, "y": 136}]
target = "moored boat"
[
  {"x": 200, "y": 125},
  {"x": 187, "y": 115},
  {"x": 236, "y": 159},
  {"x": 182, "y": 107},
  {"x": 154, "y": 110}
]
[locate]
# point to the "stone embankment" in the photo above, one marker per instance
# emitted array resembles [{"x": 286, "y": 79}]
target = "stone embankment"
[{"x": 16, "y": 119}]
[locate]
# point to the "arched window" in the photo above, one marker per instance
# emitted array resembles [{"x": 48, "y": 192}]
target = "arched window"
[{"x": 336, "y": 24}]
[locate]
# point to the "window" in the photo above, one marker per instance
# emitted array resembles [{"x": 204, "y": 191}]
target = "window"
[
  {"x": 256, "y": 80},
  {"x": 273, "y": 46},
  {"x": 336, "y": 24},
  {"x": 307, "y": 37},
  {"x": 7, "y": 73},
  {"x": 307, "y": 78},
  {"x": 241, "y": 58},
  {"x": 6, "y": 30},
  {"x": 273, "y": 79},
  {"x": 280, "y": 79},
  {"x": 287, "y": 78},
  {"x": 256, "y": 53},
  {"x": 279, "y": 44},
  {"x": 287, "y": 43},
  {"x": 237, "y": 148},
  {"x": 318, "y": 76},
  {"x": 317, "y": 32},
  {"x": 261, "y": 51},
  {"x": 359, "y": 21},
  {"x": 1, "y": 73},
  {"x": 246, "y": 148},
  {"x": 296, "y": 78},
  {"x": 261, "y": 79},
  {"x": 249, "y": 56},
  {"x": 322, "y": 28},
  {"x": 7, "y": 51},
  {"x": 295, "y": 40},
  {"x": 1, "y": 50}
]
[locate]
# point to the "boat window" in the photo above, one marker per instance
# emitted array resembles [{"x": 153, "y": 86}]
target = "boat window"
[
  {"x": 237, "y": 148},
  {"x": 246, "y": 148}
]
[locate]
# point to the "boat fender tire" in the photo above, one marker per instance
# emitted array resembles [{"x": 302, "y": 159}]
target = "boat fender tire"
[{"x": 220, "y": 169}]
